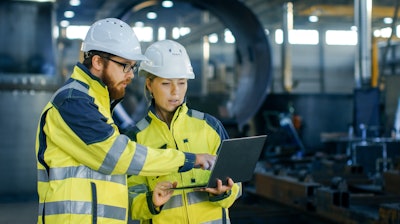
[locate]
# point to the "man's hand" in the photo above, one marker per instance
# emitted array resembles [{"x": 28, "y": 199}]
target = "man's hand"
[
  {"x": 162, "y": 192},
  {"x": 220, "y": 189},
  {"x": 204, "y": 161}
]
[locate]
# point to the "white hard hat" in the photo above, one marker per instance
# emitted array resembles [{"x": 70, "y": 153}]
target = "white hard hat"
[
  {"x": 113, "y": 36},
  {"x": 167, "y": 59}
]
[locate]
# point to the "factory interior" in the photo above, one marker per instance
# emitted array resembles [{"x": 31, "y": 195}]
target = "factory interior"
[{"x": 320, "y": 78}]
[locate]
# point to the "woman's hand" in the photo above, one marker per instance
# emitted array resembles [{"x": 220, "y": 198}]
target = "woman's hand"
[
  {"x": 220, "y": 189},
  {"x": 163, "y": 192}
]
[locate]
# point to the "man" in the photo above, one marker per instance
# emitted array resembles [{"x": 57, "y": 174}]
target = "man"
[{"x": 83, "y": 160}]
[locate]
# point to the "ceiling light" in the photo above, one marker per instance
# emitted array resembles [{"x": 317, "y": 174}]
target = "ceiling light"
[
  {"x": 228, "y": 36},
  {"x": 64, "y": 23},
  {"x": 74, "y": 2},
  {"x": 139, "y": 24},
  {"x": 387, "y": 20},
  {"x": 36, "y": 0},
  {"x": 69, "y": 14},
  {"x": 167, "y": 4},
  {"x": 313, "y": 19},
  {"x": 151, "y": 15}
]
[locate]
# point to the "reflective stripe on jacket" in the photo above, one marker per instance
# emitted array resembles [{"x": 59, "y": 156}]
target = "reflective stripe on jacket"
[
  {"x": 83, "y": 159},
  {"x": 190, "y": 131}
]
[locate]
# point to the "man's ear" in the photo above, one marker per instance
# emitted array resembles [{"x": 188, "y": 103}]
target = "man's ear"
[{"x": 97, "y": 63}]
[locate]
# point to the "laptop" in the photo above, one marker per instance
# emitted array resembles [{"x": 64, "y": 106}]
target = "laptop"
[{"x": 236, "y": 158}]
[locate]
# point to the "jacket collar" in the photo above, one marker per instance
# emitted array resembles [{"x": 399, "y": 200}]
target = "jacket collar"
[
  {"x": 96, "y": 87},
  {"x": 182, "y": 109}
]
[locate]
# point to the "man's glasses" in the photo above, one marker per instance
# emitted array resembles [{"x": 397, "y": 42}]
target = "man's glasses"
[{"x": 126, "y": 67}]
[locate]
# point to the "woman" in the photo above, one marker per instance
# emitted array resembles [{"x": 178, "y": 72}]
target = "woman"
[{"x": 170, "y": 123}]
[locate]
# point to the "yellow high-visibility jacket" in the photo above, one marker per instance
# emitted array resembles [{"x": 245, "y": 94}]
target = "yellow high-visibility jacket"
[
  {"x": 82, "y": 159},
  {"x": 190, "y": 131}
]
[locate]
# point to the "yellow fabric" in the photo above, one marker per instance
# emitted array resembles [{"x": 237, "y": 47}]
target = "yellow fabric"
[
  {"x": 188, "y": 134},
  {"x": 74, "y": 178}
]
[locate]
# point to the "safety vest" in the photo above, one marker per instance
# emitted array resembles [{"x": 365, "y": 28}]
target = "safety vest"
[
  {"x": 190, "y": 131},
  {"x": 82, "y": 159}
]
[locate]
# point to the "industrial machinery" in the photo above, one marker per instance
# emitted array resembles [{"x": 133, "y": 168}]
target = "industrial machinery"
[{"x": 359, "y": 185}]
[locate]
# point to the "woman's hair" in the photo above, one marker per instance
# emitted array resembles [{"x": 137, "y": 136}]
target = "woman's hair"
[{"x": 147, "y": 94}]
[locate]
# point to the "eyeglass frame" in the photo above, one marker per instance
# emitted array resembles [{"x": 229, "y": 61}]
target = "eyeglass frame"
[{"x": 133, "y": 68}]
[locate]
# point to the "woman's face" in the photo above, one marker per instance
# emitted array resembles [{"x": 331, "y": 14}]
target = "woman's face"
[{"x": 168, "y": 94}]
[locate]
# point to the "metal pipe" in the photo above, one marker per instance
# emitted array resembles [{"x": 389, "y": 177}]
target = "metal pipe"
[
  {"x": 286, "y": 54},
  {"x": 362, "y": 17},
  {"x": 374, "y": 63},
  {"x": 205, "y": 57},
  {"x": 322, "y": 61}
]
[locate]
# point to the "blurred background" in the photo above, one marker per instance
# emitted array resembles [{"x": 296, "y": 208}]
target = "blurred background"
[{"x": 321, "y": 78}]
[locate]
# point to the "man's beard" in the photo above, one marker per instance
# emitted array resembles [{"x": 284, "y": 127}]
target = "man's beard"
[{"x": 114, "y": 91}]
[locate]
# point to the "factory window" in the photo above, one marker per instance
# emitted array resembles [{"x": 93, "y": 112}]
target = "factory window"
[
  {"x": 213, "y": 38},
  {"x": 341, "y": 37},
  {"x": 144, "y": 33},
  {"x": 229, "y": 38},
  {"x": 175, "y": 33},
  {"x": 398, "y": 31},
  {"x": 309, "y": 37},
  {"x": 162, "y": 33},
  {"x": 386, "y": 32},
  {"x": 76, "y": 32},
  {"x": 184, "y": 30},
  {"x": 179, "y": 32}
]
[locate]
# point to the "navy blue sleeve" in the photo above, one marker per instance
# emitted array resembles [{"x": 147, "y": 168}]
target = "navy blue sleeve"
[
  {"x": 217, "y": 126},
  {"x": 190, "y": 160},
  {"x": 81, "y": 114}
]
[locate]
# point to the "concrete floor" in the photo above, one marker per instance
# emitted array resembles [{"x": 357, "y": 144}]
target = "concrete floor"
[{"x": 249, "y": 209}]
